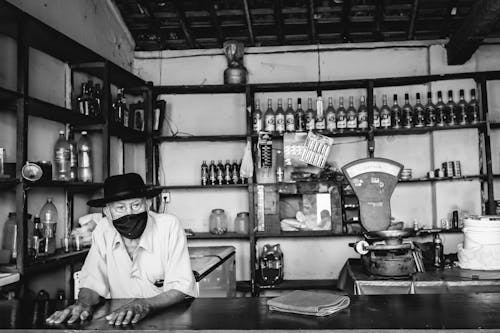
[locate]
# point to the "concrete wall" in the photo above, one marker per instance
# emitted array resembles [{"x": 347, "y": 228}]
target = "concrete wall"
[{"x": 320, "y": 258}]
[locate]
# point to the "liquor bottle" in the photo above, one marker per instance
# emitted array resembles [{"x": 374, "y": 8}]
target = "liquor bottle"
[
  {"x": 341, "y": 115},
  {"x": 320, "y": 123},
  {"x": 300, "y": 119},
  {"x": 83, "y": 101},
  {"x": 220, "y": 173},
  {"x": 257, "y": 117},
  {"x": 98, "y": 100},
  {"x": 289, "y": 117},
  {"x": 440, "y": 111},
  {"x": 385, "y": 114},
  {"x": 362, "y": 114},
  {"x": 125, "y": 112},
  {"x": 331, "y": 117},
  {"x": 396, "y": 113},
  {"x": 352, "y": 115},
  {"x": 62, "y": 158},
  {"x": 73, "y": 156},
  {"x": 280, "y": 117},
  {"x": 462, "y": 109},
  {"x": 473, "y": 108},
  {"x": 376, "y": 113},
  {"x": 92, "y": 98},
  {"x": 38, "y": 237},
  {"x": 430, "y": 111},
  {"x": 407, "y": 113},
  {"x": 236, "y": 172},
  {"x": 204, "y": 173},
  {"x": 279, "y": 166},
  {"x": 451, "y": 110},
  {"x": 269, "y": 119},
  {"x": 212, "y": 173},
  {"x": 438, "y": 252},
  {"x": 228, "y": 174},
  {"x": 310, "y": 119},
  {"x": 419, "y": 113},
  {"x": 118, "y": 108},
  {"x": 84, "y": 158}
]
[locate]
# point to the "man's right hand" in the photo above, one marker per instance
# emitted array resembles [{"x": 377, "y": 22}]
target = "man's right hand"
[{"x": 71, "y": 314}]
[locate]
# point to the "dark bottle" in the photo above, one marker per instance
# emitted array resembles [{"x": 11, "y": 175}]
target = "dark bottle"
[
  {"x": 235, "y": 172},
  {"x": 118, "y": 108},
  {"x": 310, "y": 116},
  {"x": 269, "y": 118},
  {"x": 220, "y": 173},
  {"x": 385, "y": 114},
  {"x": 341, "y": 116},
  {"x": 362, "y": 114},
  {"x": 440, "y": 111},
  {"x": 289, "y": 117},
  {"x": 352, "y": 115},
  {"x": 280, "y": 117},
  {"x": 331, "y": 117},
  {"x": 204, "y": 173},
  {"x": 92, "y": 96},
  {"x": 419, "y": 113},
  {"x": 212, "y": 173},
  {"x": 257, "y": 118},
  {"x": 396, "y": 113},
  {"x": 300, "y": 118},
  {"x": 83, "y": 101},
  {"x": 60, "y": 295},
  {"x": 98, "y": 100},
  {"x": 320, "y": 123},
  {"x": 228, "y": 174},
  {"x": 430, "y": 111},
  {"x": 38, "y": 236},
  {"x": 376, "y": 113},
  {"x": 451, "y": 110},
  {"x": 407, "y": 113},
  {"x": 462, "y": 109},
  {"x": 438, "y": 252},
  {"x": 473, "y": 108},
  {"x": 125, "y": 112}
]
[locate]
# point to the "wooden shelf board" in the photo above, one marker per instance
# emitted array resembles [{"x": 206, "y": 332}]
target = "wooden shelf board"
[
  {"x": 119, "y": 76},
  {"x": 422, "y": 130},
  {"x": 441, "y": 179},
  {"x": 73, "y": 186},
  {"x": 42, "y": 109},
  {"x": 210, "y": 138},
  {"x": 58, "y": 259},
  {"x": 8, "y": 183},
  {"x": 8, "y": 95},
  {"x": 125, "y": 133},
  {"x": 201, "y": 187},
  {"x": 199, "y": 89},
  {"x": 227, "y": 235}
]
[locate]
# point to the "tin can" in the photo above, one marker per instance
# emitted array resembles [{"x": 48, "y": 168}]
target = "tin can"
[{"x": 457, "y": 171}]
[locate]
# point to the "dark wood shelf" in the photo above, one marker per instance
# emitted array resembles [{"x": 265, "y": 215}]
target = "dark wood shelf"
[
  {"x": 302, "y": 284},
  {"x": 42, "y": 109},
  {"x": 8, "y": 183},
  {"x": 211, "y": 138},
  {"x": 309, "y": 86},
  {"x": 200, "y": 89},
  {"x": 227, "y": 235},
  {"x": 58, "y": 259},
  {"x": 422, "y": 130},
  {"x": 71, "y": 186},
  {"x": 8, "y": 95},
  {"x": 494, "y": 125},
  {"x": 304, "y": 234},
  {"x": 442, "y": 179},
  {"x": 201, "y": 187},
  {"x": 118, "y": 76},
  {"x": 346, "y": 133},
  {"x": 127, "y": 134}
]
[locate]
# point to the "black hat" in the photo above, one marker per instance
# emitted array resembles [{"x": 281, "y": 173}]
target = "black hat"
[{"x": 121, "y": 187}]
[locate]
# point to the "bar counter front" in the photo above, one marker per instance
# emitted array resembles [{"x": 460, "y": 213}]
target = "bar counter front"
[{"x": 454, "y": 312}]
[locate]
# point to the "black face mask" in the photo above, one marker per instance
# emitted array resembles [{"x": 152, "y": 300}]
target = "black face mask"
[{"x": 131, "y": 226}]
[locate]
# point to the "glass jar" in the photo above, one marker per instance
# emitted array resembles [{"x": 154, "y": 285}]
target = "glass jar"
[
  {"x": 10, "y": 236},
  {"x": 241, "y": 223},
  {"x": 218, "y": 222}
]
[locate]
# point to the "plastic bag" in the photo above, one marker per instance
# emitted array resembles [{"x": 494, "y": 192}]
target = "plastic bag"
[{"x": 246, "y": 169}]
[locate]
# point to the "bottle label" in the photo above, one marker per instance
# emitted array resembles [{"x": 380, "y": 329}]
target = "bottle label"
[
  {"x": 376, "y": 120},
  {"x": 362, "y": 120},
  {"x": 257, "y": 122},
  {"x": 269, "y": 123},
  {"x": 280, "y": 123},
  {"x": 236, "y": 174},
  {"x": 290, "y": 122},
  {"x": 341, "y": 122},
  {"x": 320, "y": 124},
  {"x": 309, "y": 122},
  {"x": 352, "y": 121},
  {"x": 204, "y": 175},
  {"x": 386, "y": 120},
  {"x": 62, "y": 159},
  {"x": 440, "y": 116},
  {"x": 331, "y": 122}
]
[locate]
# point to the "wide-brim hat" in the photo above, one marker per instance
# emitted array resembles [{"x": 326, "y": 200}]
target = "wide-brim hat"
[{"x": 122, "y": 187}]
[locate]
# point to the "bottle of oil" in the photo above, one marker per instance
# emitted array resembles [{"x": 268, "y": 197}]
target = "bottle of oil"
[
  {"x": 419, "y": 113},
  {"x": 204, "y": 173},
  {"x": 331, "y": 117},
  {"x": 430, "y": 111},
  {"x": 280, "y": 117},
  {"x": 396, "y": 113},
  {"x": 385, "y": 114},
  {"x": 440, "y": 111},
  {"x": 269, "y": 118},
  {"x": 341, "y": 115}
]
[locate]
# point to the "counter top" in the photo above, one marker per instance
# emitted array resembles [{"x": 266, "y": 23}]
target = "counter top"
[{"x": 453, "y": 312}]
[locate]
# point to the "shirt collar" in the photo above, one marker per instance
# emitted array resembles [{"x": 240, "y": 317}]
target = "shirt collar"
[{"x": 145, "y": 241}]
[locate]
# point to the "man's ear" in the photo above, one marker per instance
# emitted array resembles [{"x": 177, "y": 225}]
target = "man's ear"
[
  {"x": 149, "y": 203},
  {"x": 107, "y": 212}
]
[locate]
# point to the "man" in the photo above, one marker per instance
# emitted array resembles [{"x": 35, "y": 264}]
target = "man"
[{"x": 135, "y": 254}]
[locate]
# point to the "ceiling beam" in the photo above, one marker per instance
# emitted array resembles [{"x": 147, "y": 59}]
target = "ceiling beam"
[
  {"x": 248, "y": 18},
  {"x": 481, "y": 20},
  {"x": 413, "y": 20},
  {"x": 312, "y": 23},
  {"x": 184, "y": 24},
  {"x": 154, "y": 22},
  {"x": 346, "y": 11},
  {"x": 278, "y": 18},
  {"x": 212, "y": 9},
  {"x": 379, "y": 18}
]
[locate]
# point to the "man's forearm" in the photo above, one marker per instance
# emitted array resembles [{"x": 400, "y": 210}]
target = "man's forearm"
[
  {"x": 166, "y": 299},
  {"x": 89, "y": 297}
]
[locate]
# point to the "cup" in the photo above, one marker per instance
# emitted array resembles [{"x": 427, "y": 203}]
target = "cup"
[
  {"x": 65, "y": 244},
  {"x": 76, "y": 242}
]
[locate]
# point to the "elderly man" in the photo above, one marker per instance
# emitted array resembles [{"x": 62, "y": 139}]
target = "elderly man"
[{"x": 135, "y": 254}]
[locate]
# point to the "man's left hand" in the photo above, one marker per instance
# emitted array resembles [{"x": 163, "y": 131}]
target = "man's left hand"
[{"x": 130, "y": 313}]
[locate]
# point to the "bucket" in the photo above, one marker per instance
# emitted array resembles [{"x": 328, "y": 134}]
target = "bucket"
[{"x": 481, "y": 230}]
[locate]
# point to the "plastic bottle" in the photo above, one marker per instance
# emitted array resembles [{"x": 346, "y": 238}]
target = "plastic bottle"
[
  {"x": 49, "y": 218},
  {"x": 10, "y": 236},
  {"x": 62, "y": 153},
  {"x": 84, "y": 159}
]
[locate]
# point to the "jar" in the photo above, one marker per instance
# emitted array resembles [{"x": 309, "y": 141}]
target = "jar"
[
  {"x": 218, "y": 222},
  {"x": 9, "y": 242},
  {"x": 241, "y": 223}
]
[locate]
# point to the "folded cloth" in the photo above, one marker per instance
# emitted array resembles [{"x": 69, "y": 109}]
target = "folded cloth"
[{"x": 309, "y": 303}]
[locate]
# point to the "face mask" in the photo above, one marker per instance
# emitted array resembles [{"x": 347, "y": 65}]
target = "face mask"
[{"x": 131, "y": 226}]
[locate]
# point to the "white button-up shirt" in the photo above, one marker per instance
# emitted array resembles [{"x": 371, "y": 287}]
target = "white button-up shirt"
[{"x": 161, "y": 254}]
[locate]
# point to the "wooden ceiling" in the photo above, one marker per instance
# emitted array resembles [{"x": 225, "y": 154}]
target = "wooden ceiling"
[{"x": 188, "y": 24}]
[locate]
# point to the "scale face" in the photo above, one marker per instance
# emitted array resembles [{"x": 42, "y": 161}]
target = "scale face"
[{"x": 373, "y": 181}]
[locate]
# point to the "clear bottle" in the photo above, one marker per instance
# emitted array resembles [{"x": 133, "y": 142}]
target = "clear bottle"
[
  {"x": 474, "y": 116},
  {"x": 462, "y": 109},
  {"x": 212, "y": 173},
  {"x": 310, "y": 117},
  {"x": 419, "y": 112},
  {"x": 290, "y": 117},
  {"x": 257, "y": 117},
  {"x": 362, "y": 114},
  {"x": 83, "y": 101},
  {"x": 451, "y": 110},
  {"x": 62, "y": 159},
  {"x": 73, "y": 156},
  {"x": 204, "y": 173},
  {"x": 385, "y": 114},
  {"x": 9, "y": 241},
  {"x": 407, "y": 113},
  {"x": 320, "y": 123},
  {"x": 228, "y": 173},
  {"x": 241, "y": 223},
  {"x": 84, "y": 159},
  {"x": 352, "y": 115},
  {"x": 49, "y": 218},
  {"x": 430, "y": 111},
  {"x": 341, "y": 115},
  {"x": 376, "y": 113},
  {"x": 331, "y": 116},
  {"x": 269, "y": 118},
  {"x": 300, "y": 118},
  {"x": 440, "y": 111},
  {"x": 396, "y": 113},
  {"x": 218, "y": 222},
  {"x": 280, "y": 117},
  {"x": 220, "y": 173}
]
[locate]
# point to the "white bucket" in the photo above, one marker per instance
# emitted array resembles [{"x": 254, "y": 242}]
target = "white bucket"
[{"x": 481, "y": 230}]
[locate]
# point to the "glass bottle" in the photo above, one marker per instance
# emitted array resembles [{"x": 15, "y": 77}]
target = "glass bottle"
[
  {"x": 117, "y": 108},
  {"x": 462, "y": 109},
  {"x": 440, "y": 111},
  {"x": 257, "y": 117},
  {"x": 125, "y": 112},
  {"x": 451, "y": 110},
  {"x": 310, "y": 119},
  {"x": 407, "y": 113},
  {"x": 396, "y": 113},
  {"x": 241, "y": 223},
  {"x": 218, "y": 222},
  {"x": 62, "y": 158},
  {"x": 352, "y": 115},
  {"x": 474, "y": 116},
  {"x": 376, "y": 113},
  {"x": 341, "y": 115},
  {"x": 73, "y": 157},
  {"x": 430, "y": 111},
  {"x": 320, "y": 123},
  {"x": 92, "y": 98},
  {"x": 83, "y": 101},
  {"x": 362, "y": 114},
  {"x": 204, "y": 173},
  {"x": 419, "y": 113},
  {"x": 98, "y": 100},
  {"x": 84, "y": 158},
  {"x": 331, "y": 117},
  {"x": 212, "y": 173},
  {"x": 228, "y": 174},
  {"x": 220, "y": 173},
  {"x": 269, "y": 118},
  {"x": 49, "y": 217},
  {"x": 280, "y": 117},
  {"x": 38, "y": 237},
  {"x": 385, "y": 114},
  {"x": 300, "y": 119},
  {"x": 235, "y": 172},
  {"x": 9, "y": 241},
  {"x": 290, "y": 117}
]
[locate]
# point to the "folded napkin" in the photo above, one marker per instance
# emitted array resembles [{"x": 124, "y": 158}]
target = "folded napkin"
[{"x": 309, "y": 303}]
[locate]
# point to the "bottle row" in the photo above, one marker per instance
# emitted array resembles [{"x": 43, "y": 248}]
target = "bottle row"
[
  {"x": 339, "y": 119},
  {"x": 73, "y": 160},
  {"x": 221, "y": 174}
]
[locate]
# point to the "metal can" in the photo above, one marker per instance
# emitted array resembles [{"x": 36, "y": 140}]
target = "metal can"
[{"x": 457, "y": 169}]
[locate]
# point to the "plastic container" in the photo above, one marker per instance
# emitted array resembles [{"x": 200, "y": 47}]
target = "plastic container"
[
  {"x": 62, "y": 153},
  {"x": 49, "y": 218},
  {"x": 241, "y": 223},
  {"x": 218, "y": 222},
  {"x": 9, "y": 241},
  {"x": 481, "y": 230}
]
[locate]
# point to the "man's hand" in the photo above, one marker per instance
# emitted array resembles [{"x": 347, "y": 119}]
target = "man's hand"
[
  {"x": 130, "y": 313},
  {"x": 72, "y": 313}
]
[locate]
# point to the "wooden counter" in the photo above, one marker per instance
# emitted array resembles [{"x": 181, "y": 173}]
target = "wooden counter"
[{"x": 453, "y": 312}]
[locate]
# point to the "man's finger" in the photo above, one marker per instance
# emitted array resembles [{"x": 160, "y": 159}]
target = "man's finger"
[
  {"x": 52, "y": 317},
  {"x": 120, "y": 317},
  {"x": 128, "y": 317},
  {"x": 136, "y": 319},
  {"x": 84, "y": 315},
  {"x": 111, "y": 317},
  {"x": 62, "y": 316},
  {"x": 74, "y": 317}
]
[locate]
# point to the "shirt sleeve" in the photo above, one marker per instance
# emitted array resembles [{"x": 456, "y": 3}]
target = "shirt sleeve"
[
  {"x": 93, "y": 274},
  {"x": 178, "y": 272}
]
